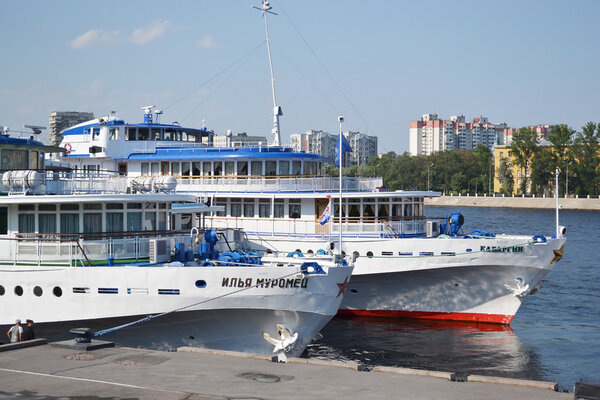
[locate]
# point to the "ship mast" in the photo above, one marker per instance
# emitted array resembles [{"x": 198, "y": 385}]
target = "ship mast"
[{"x": 266, "y": 9}]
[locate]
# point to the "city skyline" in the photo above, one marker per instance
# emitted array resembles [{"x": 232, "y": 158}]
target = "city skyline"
[{"x": 520, "y": 63}]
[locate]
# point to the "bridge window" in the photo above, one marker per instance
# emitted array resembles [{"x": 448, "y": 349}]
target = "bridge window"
[
  {"x": 144, "y": 169},
  {"x": 169, "y": 134},
  {"x": 114, "y": 221},
  {"x": 134, "y": 221},
  {"x": 296, "y": 165},
  {"x": 96, "y": 134},
  {"x": 174, "y": 168},
  {"x": 131, "y": 134},
  {"x": 156, "y": 134},
  {"x": 143, "y": 134},
  {"x": 154, "y": 169},
  {"x": 113, "y": 134}
]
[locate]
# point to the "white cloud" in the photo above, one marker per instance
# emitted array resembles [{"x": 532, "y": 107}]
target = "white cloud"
[
  {"x": 95, "y": 37},
  {"x": 143, "y": 36},
  {"x": 140, "y": 36},
  {"x": 207, "y": 42}
]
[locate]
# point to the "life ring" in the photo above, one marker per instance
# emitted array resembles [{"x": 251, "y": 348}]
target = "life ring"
[{"x": 68, "y": 148}]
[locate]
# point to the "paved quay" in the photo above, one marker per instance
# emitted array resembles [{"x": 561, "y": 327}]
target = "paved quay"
[
  {"x": 514, "y": 202},
  {"x": 46, "y": 371}
]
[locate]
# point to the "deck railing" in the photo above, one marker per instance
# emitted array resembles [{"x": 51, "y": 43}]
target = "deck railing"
[{"x": 237, "y": 184}]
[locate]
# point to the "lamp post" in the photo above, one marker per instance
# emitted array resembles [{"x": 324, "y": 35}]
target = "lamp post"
[{"x": 490, "y": 176}]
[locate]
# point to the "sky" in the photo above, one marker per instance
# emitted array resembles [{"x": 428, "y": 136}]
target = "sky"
[{"x": 380, "y": 64}]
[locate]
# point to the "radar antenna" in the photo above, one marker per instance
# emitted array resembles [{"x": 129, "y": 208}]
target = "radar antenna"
[{"x": 277, "y": 112}]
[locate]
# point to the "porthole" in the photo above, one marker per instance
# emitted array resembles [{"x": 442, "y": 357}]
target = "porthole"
[
  {"x": 1, "y": 290},
  {"x": 18, "y": 290},
  {"x": 37, "y": 291},
  {"x": 355, "y": 254},
  {"x": 310, "y": 252},
  {"x": 370, "y": 254},
  {"x": 200, "y": 283},
  {"x": 57, "y": 291},
  {"x": 343, "y": 253},
  {"x": 354, "y": 291},
  {"x": 469, "y": 250}
]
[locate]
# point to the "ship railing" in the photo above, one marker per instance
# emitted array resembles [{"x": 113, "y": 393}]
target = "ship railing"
[
  {"x": 17, "y": 182},
  {"x": 351, "y": 227},
  {"x": 72, "y": 250},
  {"x": 260, "y": 184}
]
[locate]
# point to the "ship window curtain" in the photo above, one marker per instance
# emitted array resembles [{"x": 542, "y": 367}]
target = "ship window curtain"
[
  {"x": 284, "y": 168},
  {"x": 47, "y": 223},
  {"x": 256, "y": 168},
  {"x": 69, "y": 223},
  {"x": 149, "y": 221},
  {"x": 114, "y": 222},
  {"x": 134, "y": 221},
  {"x": 26, "y": 223},
  {"x": 271, "y": 168},
  {"x": 92, "y": 222},
  {"x": 162, "y": 221}
]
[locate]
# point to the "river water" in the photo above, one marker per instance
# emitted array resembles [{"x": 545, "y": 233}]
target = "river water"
[{"x": 555, "y": 336}]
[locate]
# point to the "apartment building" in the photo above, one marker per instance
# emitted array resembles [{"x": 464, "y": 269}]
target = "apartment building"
[
  {"x": 60, "y": 120},
  {"x": 363, "y": 146}
]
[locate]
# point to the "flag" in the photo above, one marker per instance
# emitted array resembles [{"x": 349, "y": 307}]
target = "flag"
[
  {"x": 324, "y": 218},
  {"x": 345, "y": 149}
]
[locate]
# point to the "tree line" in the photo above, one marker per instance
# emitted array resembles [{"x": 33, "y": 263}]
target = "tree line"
[{"x": 574, "y": 154}]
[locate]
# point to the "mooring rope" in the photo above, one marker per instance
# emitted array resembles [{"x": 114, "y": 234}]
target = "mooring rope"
[{"x": 151, "y": 317}]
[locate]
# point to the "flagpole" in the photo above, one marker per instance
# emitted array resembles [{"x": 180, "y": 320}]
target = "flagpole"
[{"x": 340, "y": 155}]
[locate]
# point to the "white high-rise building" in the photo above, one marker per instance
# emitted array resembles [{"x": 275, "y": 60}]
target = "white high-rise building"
[{"x": 431, "y": 134}]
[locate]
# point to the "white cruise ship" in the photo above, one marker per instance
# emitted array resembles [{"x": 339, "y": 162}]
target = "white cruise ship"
[{"x": 405, "y": 264}]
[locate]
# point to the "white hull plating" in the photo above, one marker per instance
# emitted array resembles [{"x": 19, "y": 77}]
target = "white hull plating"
[
  {"x": 219, "y": 307},
  {"x": 482, "y": 280}
]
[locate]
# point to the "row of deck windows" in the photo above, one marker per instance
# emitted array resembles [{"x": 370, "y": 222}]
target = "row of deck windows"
[
  {"x": 143, "y": 133},
  {"x": 91, "y": 218},
  {"x": 353, "y": 208},
  {"x": 232, "y": 168}
]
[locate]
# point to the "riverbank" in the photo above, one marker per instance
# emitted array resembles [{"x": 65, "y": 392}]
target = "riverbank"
[{"x": 514, "y": 202}]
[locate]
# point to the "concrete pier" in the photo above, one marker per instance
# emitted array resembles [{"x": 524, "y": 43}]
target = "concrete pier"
[{"x": 191, "y": 373}]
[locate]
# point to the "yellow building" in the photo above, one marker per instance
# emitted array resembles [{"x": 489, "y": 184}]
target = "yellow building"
[{"x": 505, "y": 153}]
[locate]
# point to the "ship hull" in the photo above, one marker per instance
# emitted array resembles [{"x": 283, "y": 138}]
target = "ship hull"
[
  {"x": 225, "y": 308},
  {"x": 483, "y": 280}
]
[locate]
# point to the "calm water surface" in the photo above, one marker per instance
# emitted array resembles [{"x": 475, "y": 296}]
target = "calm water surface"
[{"x": 555, "y": 335}]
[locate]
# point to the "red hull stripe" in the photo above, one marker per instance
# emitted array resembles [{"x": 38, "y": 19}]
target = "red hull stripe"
[{"x": 448, "y": 316}]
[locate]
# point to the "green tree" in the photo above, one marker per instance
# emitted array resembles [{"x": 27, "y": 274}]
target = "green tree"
[
  {"x": 524, "y": 146},
  {"x": 542, "y": 171},
  {"x": 561, "y": 138},
  {"x": 584, "y": 153}
]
